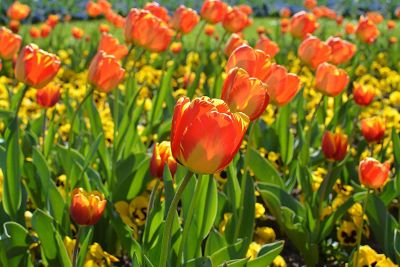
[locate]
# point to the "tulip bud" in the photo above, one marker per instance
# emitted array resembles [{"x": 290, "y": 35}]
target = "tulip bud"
[
  {"x": 176, "y": 47},
  {"x": 330, "y": 80},
  {"x": 213, "y": 11},
  {"x": 34, "y": 32},
  {"x": 10, "y": 43},
  {"x": 48, "y": 96},
  {"x": 310, "y": 4},
  {"x": 285, "y": 12},
  {"x": 162, "y": 155},
  {"x": 52, "y": 20},
  {"x": 77, "y": 33},
  {"x": 184, "y": 19},
  {"x": 209, "y": 30},
  {"x": 45, "y": 30},
  {"x": 313, "y": 52},
  {"x": 373, "y": 129},
  {"x": 363, "y": 94},
  {"x": 391, "y": 24},
  {"x": 375, "y": 17},
  {"x": 372, "y": 173},
  {"x": 302, "y": 24},
  {"x": 86, "y": 208},
  {"x": 334, "y": 146},
  {"x": 104, "y": 28}
]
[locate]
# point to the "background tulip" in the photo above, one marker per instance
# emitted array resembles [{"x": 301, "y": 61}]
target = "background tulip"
[
  {"x": 372, "y": 173},
  {"x": 373, "y": 129},
  {"x": 18, "y": 11},
  {"x": 162, "y": 155},
  {"x": 184, "y": 19},
  {"x": 213, "y": 11},
  {"x": 48, "y": 96},
  {"x": 269, "y": 47},
  {"x": 366, "y": 30},
  {"x": 10, "y": 43},
  {"x": 341, "y": 51},
  {"x": 235, "y": 20},
  {"x": 111, "y": 46},
  {"x": 157, "y": 10},
  {"x": 330, "y": 80},
  {"x": 334, "y": 146},
  {"x": 313, "y": 51},
  {"x": 363, "y": 94},
  {"x": 86, "y": 208},
  {"x": 234, "y": 41},
  {"x": 93, "y": 9},
  {"x": 302, "y": 24}
]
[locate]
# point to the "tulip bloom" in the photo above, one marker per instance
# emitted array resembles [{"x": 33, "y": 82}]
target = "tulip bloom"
[
  {"x": 146, "y": 30},
  {"x": 48, "y": 96},
  {"x": 205, "y": 134},
  {"x": 342, "y": 51},
  {"x": 93, "y": 9},
  {"x": 104, "y": 5},
  {"x": 282, "y": 87},
  {"x": 14, "y": 26},
  {"x": 77, "y": 33},
  {"x": 245, "y": 9},
  {"x": 213, "y": 11},
  {"x": 111, "y": 46},
  {"x": 269, "y": 47},
  {"x": 209, "y": 29},
  {"x": 285, "y": 25},
  {"x": 34, "y": 32},
  {"x": 86, "y": 208},
  {"x": 366, "y": 30},
  {"x": 10, "y": 43},
  {"x": 373, "y": 129},
  {"x": 376, "y": 17},
  {"x": 362, "y": 94},
  {"x": 105, "y": 73},
  {"x": 52, "y": 20},
  {"x": 302, "y": 24},
  {"x": 339, "y": 20},
  {"x": 330, "y": 80},
  {"x": 104, "y": 28},
  {"x": 235, "y": 20},
  {"x": 45, "y": 30},
  {"x": 36, "y": 67},
  {"x": 310, "y": 4},
  {"x": 350, "y": 28},
  {"x": 313, "y": 52},
  {"x": 184, "y": 19},
  {"x": 176, "y": 47},
  {"x": 162, "y": 155},
  {"x": 372, "y": 173},
  {"x": 391, "y": 24},
  {"x": 158, "y": 11},
  {"x": 18, "y": 11},
  {"x": 285, "y": 12},
  {"x": 233, "y": 42},
  {"x": 334, "y": 146}
]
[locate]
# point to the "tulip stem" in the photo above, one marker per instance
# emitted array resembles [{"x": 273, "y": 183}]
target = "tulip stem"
[
  {"x": 359, "y": 231},
  {"x": 170, "y": 219},
  {"x": 314, "y": 115},
  {"x": 196, "y": 40},
  {"x": 76, "y": 248},
  {"x": 44, "y": 128},
  {"x": 24, "y": 90}
]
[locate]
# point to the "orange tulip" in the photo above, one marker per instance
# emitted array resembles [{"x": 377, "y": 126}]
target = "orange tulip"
[
  {"x": 209, "y": 29},
  {"x": 36, "y": 67},
  {"x": 18, "y": 11},
  {"x": 334, "y": 146},
  {"x": 52, "y": 20},
  {"x": 158, "y": 11},
  {"x": 323, "y": 11},
  {"x": 93, "y": 9},
  {"x": 310, "y": 4},
  {"x": 176, "y": 47},
  {"x": 393, "y": 39},
  {"x": 282, "y": 87},
  {"x": 372, "y": 173},
  {"x": 104, "y": 28},
  {"x": 45, "y": 30},
  {"x": 245, "y": 9},
  {"x": 342, "y": 51},
  {"x": 14, "y": 26},
  {"x": 77, "y": 33},
  {"x": 397, "y": 12},
  {"x": 313, "y": 52},
  {"x": 260, "y": 30},
  {"x": 213, "y": 11},
  {"x": 10, "y": 43},
  {"x": 111, "y": 46},
  {"x": 235, "y": 20},
  {"x": 104, "y": 5},
  {"x": 362, "y": 94},
  {"x": 367, "y": 31},
  {"x": 285, "y": 25},
  {"x": 302, "y": 24},
  {"x": 350, "y": 28},
  {"x": 105, "y": 73},
  {"x": 339, "y": 20},
  {"x": 34, "y": 32},
  {"x": 86, "y": 208},
  {"x": 205, "y": 134},
  {"x": 373, "y": 129},
  {"x": 330, "y": 80},
  {"x": 146, "y": 30},
  {"x": 269, "y": 47},
  {"x": 67, "y": 18},
  {"x": 162, "y": 155},
  {"x": 285, "y": 12},
  {"x": 48, "y": 96},
  {"x": 233, "y": 42},
  {"x": 391, "y": 24},
  {"x": 1, "y": 65},
  {"x": 376, "y": 17},
  {"x": 184, "y": 19}
]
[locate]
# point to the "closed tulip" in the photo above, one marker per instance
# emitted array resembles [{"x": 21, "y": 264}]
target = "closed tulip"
[
  {"x": 314, "y": 52},
  {"x": 184, "y": 19},
  {"x": 334, "y": 146},
  {"x": 213, "y": 11},
  {"x": 45, "y": 30},
  {"x": 48, "y": 96},
  {"x": 341, "y": 51},
  {"x": 285, "y": 25},
  {"x": 1, "y": 65},
  {"x": 93, "y": 9},
  {"x": 18, "y": 11},
  {"x": 285, "y": 12},
  {"x": 373, "y": 129},
  {"x": 310, "y": 4},
  {"x": 363, "y": 94},
  {"x": 302, "y": 24},
  {"x": 350, "y": 28},
  {"x": 235, "y": 20},
  {"x": 209, "y": 29},
  {"x": 105, "y": 73},
  {"x": 376, "y": 17},
  {"x": 282, "y": 86},
  {"x": 269, "y": 47},
  {"x": 105, "y": 6},
  {"x": 157, "y": 10},
  {"x": 162, "y": 156},
  {"x": 34, "y": 32},
  {"x": 372, "y": 173},
  {"x": 10, "y": 43},
  {"x": 52, "y": 20},
  {"x": 104, "y": 28},
  {"x": 330, "y": 80},
  {"x": 14, "y": 26},
  {"x": 205, "y": 134},
  {"x": 77, "y": 33},
  {"x": 86, "y": 208},
  {"x": 36, "y": 67},
  {"x": 111, "y": 46},
  {"x": 233, "y": 42},
  {"x": 245, "y": 9},
  {"x": 176, "y": 47},
  {"x": 366, "y": 30}
]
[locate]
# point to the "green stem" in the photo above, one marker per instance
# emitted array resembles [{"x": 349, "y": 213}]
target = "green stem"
[
  {"x": 196, "y": 41},
  {"x": 170, "y": 219},
  {"x": 359, "y": 232},
  {"x": 44, "y": 129},
  {"x": 76, "y": 248},
  {"x": 24, "y": 90}
]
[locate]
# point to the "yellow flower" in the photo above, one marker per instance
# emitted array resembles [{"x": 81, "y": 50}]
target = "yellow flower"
[
  {"x": 254, "y": 248},
  {"x": 279, "y": 261},
  {"x": 224, "y": 222},
  {"x": 97, "y": 257},
  {"x": 367, "y": 257},
  {"x": 347, "y": 233},
  {"x": 260, "y": 210},
  {"x": 264, "y": 235}
]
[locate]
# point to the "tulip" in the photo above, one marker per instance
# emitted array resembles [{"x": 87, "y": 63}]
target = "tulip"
[
  {"x": 48, "y": 96},
  {"x": 158, "y": 11},
  {"x": 176, "y": 47},
  {"x": 111, "y": 46},
  {"x": 235, "y": 21},
  {"x": 213, "y": 11},
  {"x": 14, "y": 26},
  {"x": 339, "y": 20},
  {"x": 86, "y": 208},
  {"x": 269, "y": 47},
  {"x": 334, "y": 146},
  {"x": 285, "y": 12},
  {"x": 34, "y": 32},
  {"x": 1, "y": 65},
  {"x": 314, "y": 52},
  {"x": 260, "y": 30},
  {"x": 373, "y": 129},
  {"x": 104, "y": 28},
  {"x": 205, "y": 134},
  {"x": 397, "y": 12},
  {"x": 233, "y": 42},
  {"x": 209, "y": 29},
  {"x": 77, "y": 33},
  {"x": 93, "y": 9},
  {"x": 146, "y": 30},
  {"x": 372, "y": 173},
  {"x": 52, "y": 20},
  {"x": 162, "y": 156},
  {"x": 36, "y": 67},
  {"x": 10, "y": 43},
  {"x": 366, "y": 30},
  {"x": 18, "y": 11},
  {"x": 184, "y": 19},
  {"x": 330, "y": 80},
  {"x": 393, "y": 39},
  {"x": 282, "y": 86},
  {"x": 363, "y": 94},
  {"x": 104, "y": 5},
  {"x": 350, "y": 28},
  {"x": 45, "y": 30},
  {"x": 285, "y": 25},
  {"x": 105, "y": 73},
  {"x": 342, "y": 51},
  {"x": 391, "y": 24},
  {"x": 310, "y": 4},
  {"x": 245, "y": 9},
  {"x": 376, "y": 17},
  {"x": 302, "y": 24}
]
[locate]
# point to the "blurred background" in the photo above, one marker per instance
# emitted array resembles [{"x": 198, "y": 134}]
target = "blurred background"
[{"x": 76, "y": 8}]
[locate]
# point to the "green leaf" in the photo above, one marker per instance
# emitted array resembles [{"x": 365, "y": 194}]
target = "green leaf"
[
  {"x": 43, "y": 172},
  {"x": 215, "y": 241},
  {"x": 16, "y": 241},
  {"x": 396, "y": 147},
  {"x": 85, "y": 240},
  {"x": 228, "y": 252},
  {"x": 267, "y": 254},
  {"x": 286, "y": 138}
]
